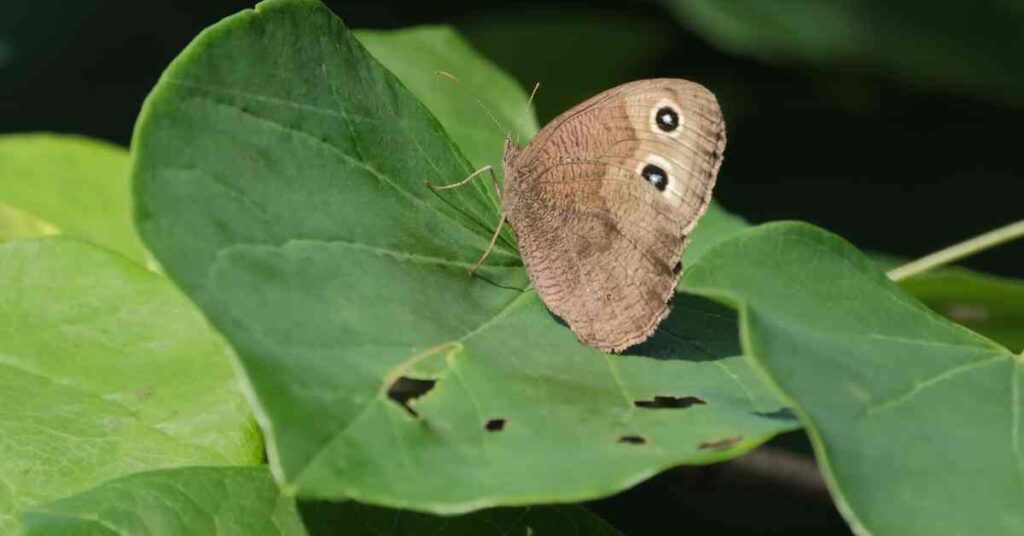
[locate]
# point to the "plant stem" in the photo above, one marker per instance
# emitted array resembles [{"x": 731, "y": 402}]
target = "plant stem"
[{"x": 959, "y": 251}]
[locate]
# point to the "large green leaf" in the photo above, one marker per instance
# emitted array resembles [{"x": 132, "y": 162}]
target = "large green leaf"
[
  {"x": 280, "y": 178},
  {"x": 918, "y": 40},
  {"x": 105, "y": 370},
  {"x": 77, "y": 185},
  {"x": 916, "y": 420},
  {"x": 245, "y": 501}
]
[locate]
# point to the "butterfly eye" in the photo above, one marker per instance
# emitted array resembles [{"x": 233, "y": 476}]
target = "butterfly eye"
[
  {"x": 667, "y": 119},
  {"x": 656, "y": 176}
]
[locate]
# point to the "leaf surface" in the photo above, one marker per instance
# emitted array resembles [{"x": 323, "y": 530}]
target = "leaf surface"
[
  {"x": 916, "y": 420},
  {"x": 105, "y": 369}
]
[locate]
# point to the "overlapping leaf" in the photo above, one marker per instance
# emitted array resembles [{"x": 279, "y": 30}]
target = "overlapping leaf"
[
  {"x": 104, "y": 370},
  {"x": 280, "y": 177},
  {"x": 917, "y": 420}
]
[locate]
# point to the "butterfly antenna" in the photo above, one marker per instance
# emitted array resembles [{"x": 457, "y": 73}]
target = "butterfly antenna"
[
  {"x": 532, "y": 95},
  {"x": 529, "y": 102},
  {"x": 454, "y": 78}
]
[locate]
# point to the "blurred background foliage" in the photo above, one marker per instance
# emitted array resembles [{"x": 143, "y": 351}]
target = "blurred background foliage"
[{"x": 893, "y": 123}]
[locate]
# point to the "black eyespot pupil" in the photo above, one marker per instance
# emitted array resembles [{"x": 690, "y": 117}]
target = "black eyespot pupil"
[
  {"x": 667, "y": 119},
  {"x": 656, "y": 176}
]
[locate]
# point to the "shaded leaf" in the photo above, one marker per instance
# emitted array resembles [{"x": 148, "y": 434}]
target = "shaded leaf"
[
  {"x": 289, "y": 202},
  {"x": 104, "y": 370},
  {"x": 916, "y": 40},
  {"x": 77, "y": 185},
  {"x": 915, "y": 420}
]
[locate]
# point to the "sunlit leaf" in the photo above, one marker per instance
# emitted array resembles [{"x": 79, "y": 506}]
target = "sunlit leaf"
[
  {"x": 105, "y": 369},
  {"x": 68, "y": 184}
]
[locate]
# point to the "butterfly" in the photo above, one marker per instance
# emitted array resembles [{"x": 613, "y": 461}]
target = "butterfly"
[{"x": 603, "y": 200}]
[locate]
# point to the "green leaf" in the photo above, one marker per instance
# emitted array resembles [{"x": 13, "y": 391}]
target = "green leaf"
[
  {"x": 280, "y": 178},
  {"x": 415, "y": 54},
  {"x": 916, "y": 40},
  {"x": 916, "y": 420},
  {"x": 245, "y": 501},
  {"x": 717, "y": 225},
  {"x": 105, "y": 370},
  {"x": 77, "y": 185},
  {"x": 222, "y": 501},
  {"x": 988, "y": 304}
]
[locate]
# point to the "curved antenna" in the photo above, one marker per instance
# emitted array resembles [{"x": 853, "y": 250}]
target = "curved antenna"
[
  {"x": 528, "y": 103},
  {"x": 451, "y": 76}
]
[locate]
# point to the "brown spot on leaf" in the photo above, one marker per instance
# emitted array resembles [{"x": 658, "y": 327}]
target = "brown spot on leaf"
[{"x": 495, "y": 425}]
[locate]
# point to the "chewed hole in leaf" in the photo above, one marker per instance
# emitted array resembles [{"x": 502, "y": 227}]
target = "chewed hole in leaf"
[
  {"x": 720, "y": 444},
  {"x": 405, "y": 389},
  {"x": 495, "y": 425},
  {"x": 669, "y": 402},
  {"x": 632, "y": 440}
]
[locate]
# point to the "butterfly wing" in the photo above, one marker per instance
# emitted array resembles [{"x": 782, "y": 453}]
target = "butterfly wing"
[{"x": 603, "y": 199}]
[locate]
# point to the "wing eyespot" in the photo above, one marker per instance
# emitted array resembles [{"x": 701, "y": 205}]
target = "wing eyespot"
[
  {"x": 657, "y": 171},
  {"x": 656, "y": 176},
  {"x": 666, "y": 118}
]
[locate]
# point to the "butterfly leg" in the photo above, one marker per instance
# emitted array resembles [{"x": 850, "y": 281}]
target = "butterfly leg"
[
  {"x": 475, "y": 174},
  {"x": 490, "y": 246}
]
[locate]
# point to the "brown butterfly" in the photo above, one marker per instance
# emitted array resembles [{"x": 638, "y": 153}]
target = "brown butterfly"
[{"x": 603, "y": 200}]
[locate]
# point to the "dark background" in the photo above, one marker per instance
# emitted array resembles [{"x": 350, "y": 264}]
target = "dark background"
[{"x": 896, "y": 159}]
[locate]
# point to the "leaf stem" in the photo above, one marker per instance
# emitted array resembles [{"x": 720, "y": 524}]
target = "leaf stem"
[{"x": 956, "y": 252}]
